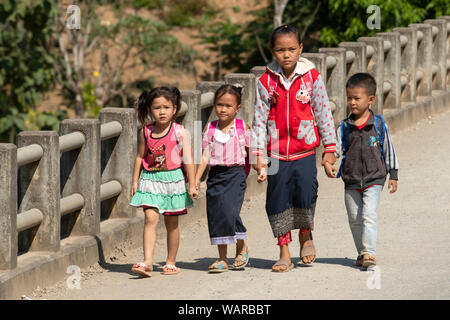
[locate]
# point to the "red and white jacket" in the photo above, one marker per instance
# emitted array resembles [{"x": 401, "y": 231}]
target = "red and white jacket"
[{"x": 291, "y": 118}]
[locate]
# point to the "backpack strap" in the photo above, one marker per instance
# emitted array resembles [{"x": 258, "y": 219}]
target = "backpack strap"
[
  {"x": 147, "y": 132},
  {"x": 272, "y": 84},
  {"x": 178, "y": 130},
  {"x": 380, "y": 127},
  {"x": 240, "y": 130},
  {"x": 345, "y": 132},
  {"x": 211, "y": 130}
]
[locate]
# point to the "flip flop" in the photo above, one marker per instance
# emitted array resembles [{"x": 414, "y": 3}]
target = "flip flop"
[
  {"x": 359, "y": 261},
  {"x": 308, "y": 250},
  {"x": 170, "y": 269},
  {"x": 368, "y": 261},
  {"x": 244, "y": 261},
  {"x": 283, "y": 262},
  {"x": 217, "y": 267},
  {"x": 141, "y": 269}
]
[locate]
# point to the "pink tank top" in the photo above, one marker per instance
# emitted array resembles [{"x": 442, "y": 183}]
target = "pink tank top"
[{"x": 165, "y": 153}]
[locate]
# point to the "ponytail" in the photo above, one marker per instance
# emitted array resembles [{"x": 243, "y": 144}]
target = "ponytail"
[
  {"x": 143, "y": 107},
  {"x": 176, "y": 100}
]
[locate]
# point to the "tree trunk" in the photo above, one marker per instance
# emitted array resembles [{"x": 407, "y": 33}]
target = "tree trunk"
[
  {"x": 79, "y": 106},
  {"x": 280, "y": 5}
]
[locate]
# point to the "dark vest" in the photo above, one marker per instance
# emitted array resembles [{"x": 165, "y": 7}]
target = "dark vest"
[{"x": 364, "y": 165}]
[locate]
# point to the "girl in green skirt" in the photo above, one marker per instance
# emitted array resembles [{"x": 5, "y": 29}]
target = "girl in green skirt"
[{"x": 158, "y": 180}]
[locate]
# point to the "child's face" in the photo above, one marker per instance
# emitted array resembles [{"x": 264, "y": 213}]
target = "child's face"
[
  {"x": 162, "y": 110},
  {"x": 286, "y": 51},
  {"x": 226, "y": 107},
  {"x": 358, "y": 101}
]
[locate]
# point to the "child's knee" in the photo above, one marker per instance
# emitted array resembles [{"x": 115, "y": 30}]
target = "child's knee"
[
  {"x": 151, "y": 217},
  {"x": 171, "y": 222}
]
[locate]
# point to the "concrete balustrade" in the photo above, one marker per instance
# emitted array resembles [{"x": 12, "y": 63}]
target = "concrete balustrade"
[
  {"x": 375, "y": 67},
  {"x": 64, "y": 198}
]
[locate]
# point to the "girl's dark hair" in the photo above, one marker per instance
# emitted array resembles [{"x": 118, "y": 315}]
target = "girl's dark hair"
[
  {"x": 363, "y": 80},
  {"x": 231, "y": 89},
  {"x": 146, "y": 98},
  {"x": 282, "y": 30}
]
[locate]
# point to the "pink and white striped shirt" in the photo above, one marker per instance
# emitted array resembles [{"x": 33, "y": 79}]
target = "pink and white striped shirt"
[{"x": 226, "y": 149}]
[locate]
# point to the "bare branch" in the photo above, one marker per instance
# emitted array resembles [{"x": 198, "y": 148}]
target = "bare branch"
[
  {"x": 280, "y": 5},
  {"x": 311, "y": 19},
  {"x": 260, "y": 48}
]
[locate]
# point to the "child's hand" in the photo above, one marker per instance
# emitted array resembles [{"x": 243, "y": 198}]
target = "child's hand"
[
  {"x": 193, "y": 191},
  {"x": 134, "y": 188},
  {"x": 393, "y": 184},
  {"x": 262, "y": 174},
  {"x": 328, "y": 157},
  {"x": 330, "y": 170}
]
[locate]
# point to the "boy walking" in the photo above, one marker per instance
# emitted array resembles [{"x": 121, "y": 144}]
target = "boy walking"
[{"x": 368, "y": 155}]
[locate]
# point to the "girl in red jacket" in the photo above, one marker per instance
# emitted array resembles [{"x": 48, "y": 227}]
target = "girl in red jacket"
[{"x": 292, "y": 115}]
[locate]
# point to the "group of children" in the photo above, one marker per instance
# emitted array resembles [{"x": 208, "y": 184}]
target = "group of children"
[{"x": 292, "y": 116}]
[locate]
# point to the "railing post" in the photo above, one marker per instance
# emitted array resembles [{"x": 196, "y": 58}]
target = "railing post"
[
  {"x": 39, "y": 187},
  {"x": 117, "y": 160},
  {"x": 191, "y": 120},
  {"x": 335, "y": 82},
  {"x": 439, "y": 53},
  {"x": 320, "y": 61},
  {"x": 258, "y": 71},
  {"x": 447, "y": 52},
  {"x": 375, "y": 67},
  {"x": 392, "y": 66},
  {"x": 80, "y": 173},
  {"x": 247, "y": 80},
  {"x": 408, "y": 64},
  {"x": 208, "y": 114},
  {"x": 8, "y": 206},
  {"x": 359, "y": 63},
  {"x": 424, "y": 59}
]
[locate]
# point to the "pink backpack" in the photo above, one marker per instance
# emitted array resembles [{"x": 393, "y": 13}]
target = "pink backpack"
[{"x": 240, "y": 129}]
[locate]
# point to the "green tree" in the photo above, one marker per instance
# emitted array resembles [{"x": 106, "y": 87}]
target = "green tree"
[
  {"x": 26, "y": 58},
  {"x": 322, "y": 23}
]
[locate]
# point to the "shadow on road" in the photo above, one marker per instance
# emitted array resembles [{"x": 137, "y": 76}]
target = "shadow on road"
[{"x": 341, "y": 261}]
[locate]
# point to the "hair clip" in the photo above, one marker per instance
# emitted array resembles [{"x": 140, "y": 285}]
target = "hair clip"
[{"x": 238, "y": 87}]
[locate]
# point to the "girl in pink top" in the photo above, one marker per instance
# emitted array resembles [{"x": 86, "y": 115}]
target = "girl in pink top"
[
  {"x": 158, "y": 181},
  {"x": 225, "y": 147}
]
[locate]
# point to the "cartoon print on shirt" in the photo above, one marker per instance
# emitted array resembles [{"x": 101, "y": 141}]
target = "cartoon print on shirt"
[
  {"x": 157, "y": 157},
  {"x": 373, "y": 141},
  {"x": 303, "y": 94},
  {"x": 306, "y": 130}
]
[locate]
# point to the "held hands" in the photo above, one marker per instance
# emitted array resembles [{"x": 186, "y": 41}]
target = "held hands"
[
  {"x": 328, "y": 161},
  {"x": 330, "y": 170},
  {"x": 261, "y": 169},
  {"x": 193, "y": 191},
  {"x": 194, "y": 188}
]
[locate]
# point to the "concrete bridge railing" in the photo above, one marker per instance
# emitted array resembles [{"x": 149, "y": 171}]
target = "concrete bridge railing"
[{"x": 64, "y": 196}]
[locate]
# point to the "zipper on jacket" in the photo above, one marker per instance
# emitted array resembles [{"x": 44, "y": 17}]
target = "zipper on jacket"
[
  {"x": 362, "y": 159},
  {"x": 288, "y": 133}
]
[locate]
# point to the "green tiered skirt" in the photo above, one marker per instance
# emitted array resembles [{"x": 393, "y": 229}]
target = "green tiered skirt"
[{"x": 163, "y": 190}]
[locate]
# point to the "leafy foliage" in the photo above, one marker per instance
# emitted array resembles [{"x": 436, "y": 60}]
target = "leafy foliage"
[
  {"x": 25, "y": 56},
  {"x": 180, "y": 12}
]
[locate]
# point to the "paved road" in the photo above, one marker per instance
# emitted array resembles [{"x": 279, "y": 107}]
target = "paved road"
[{"x": 413, "y": 244}]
